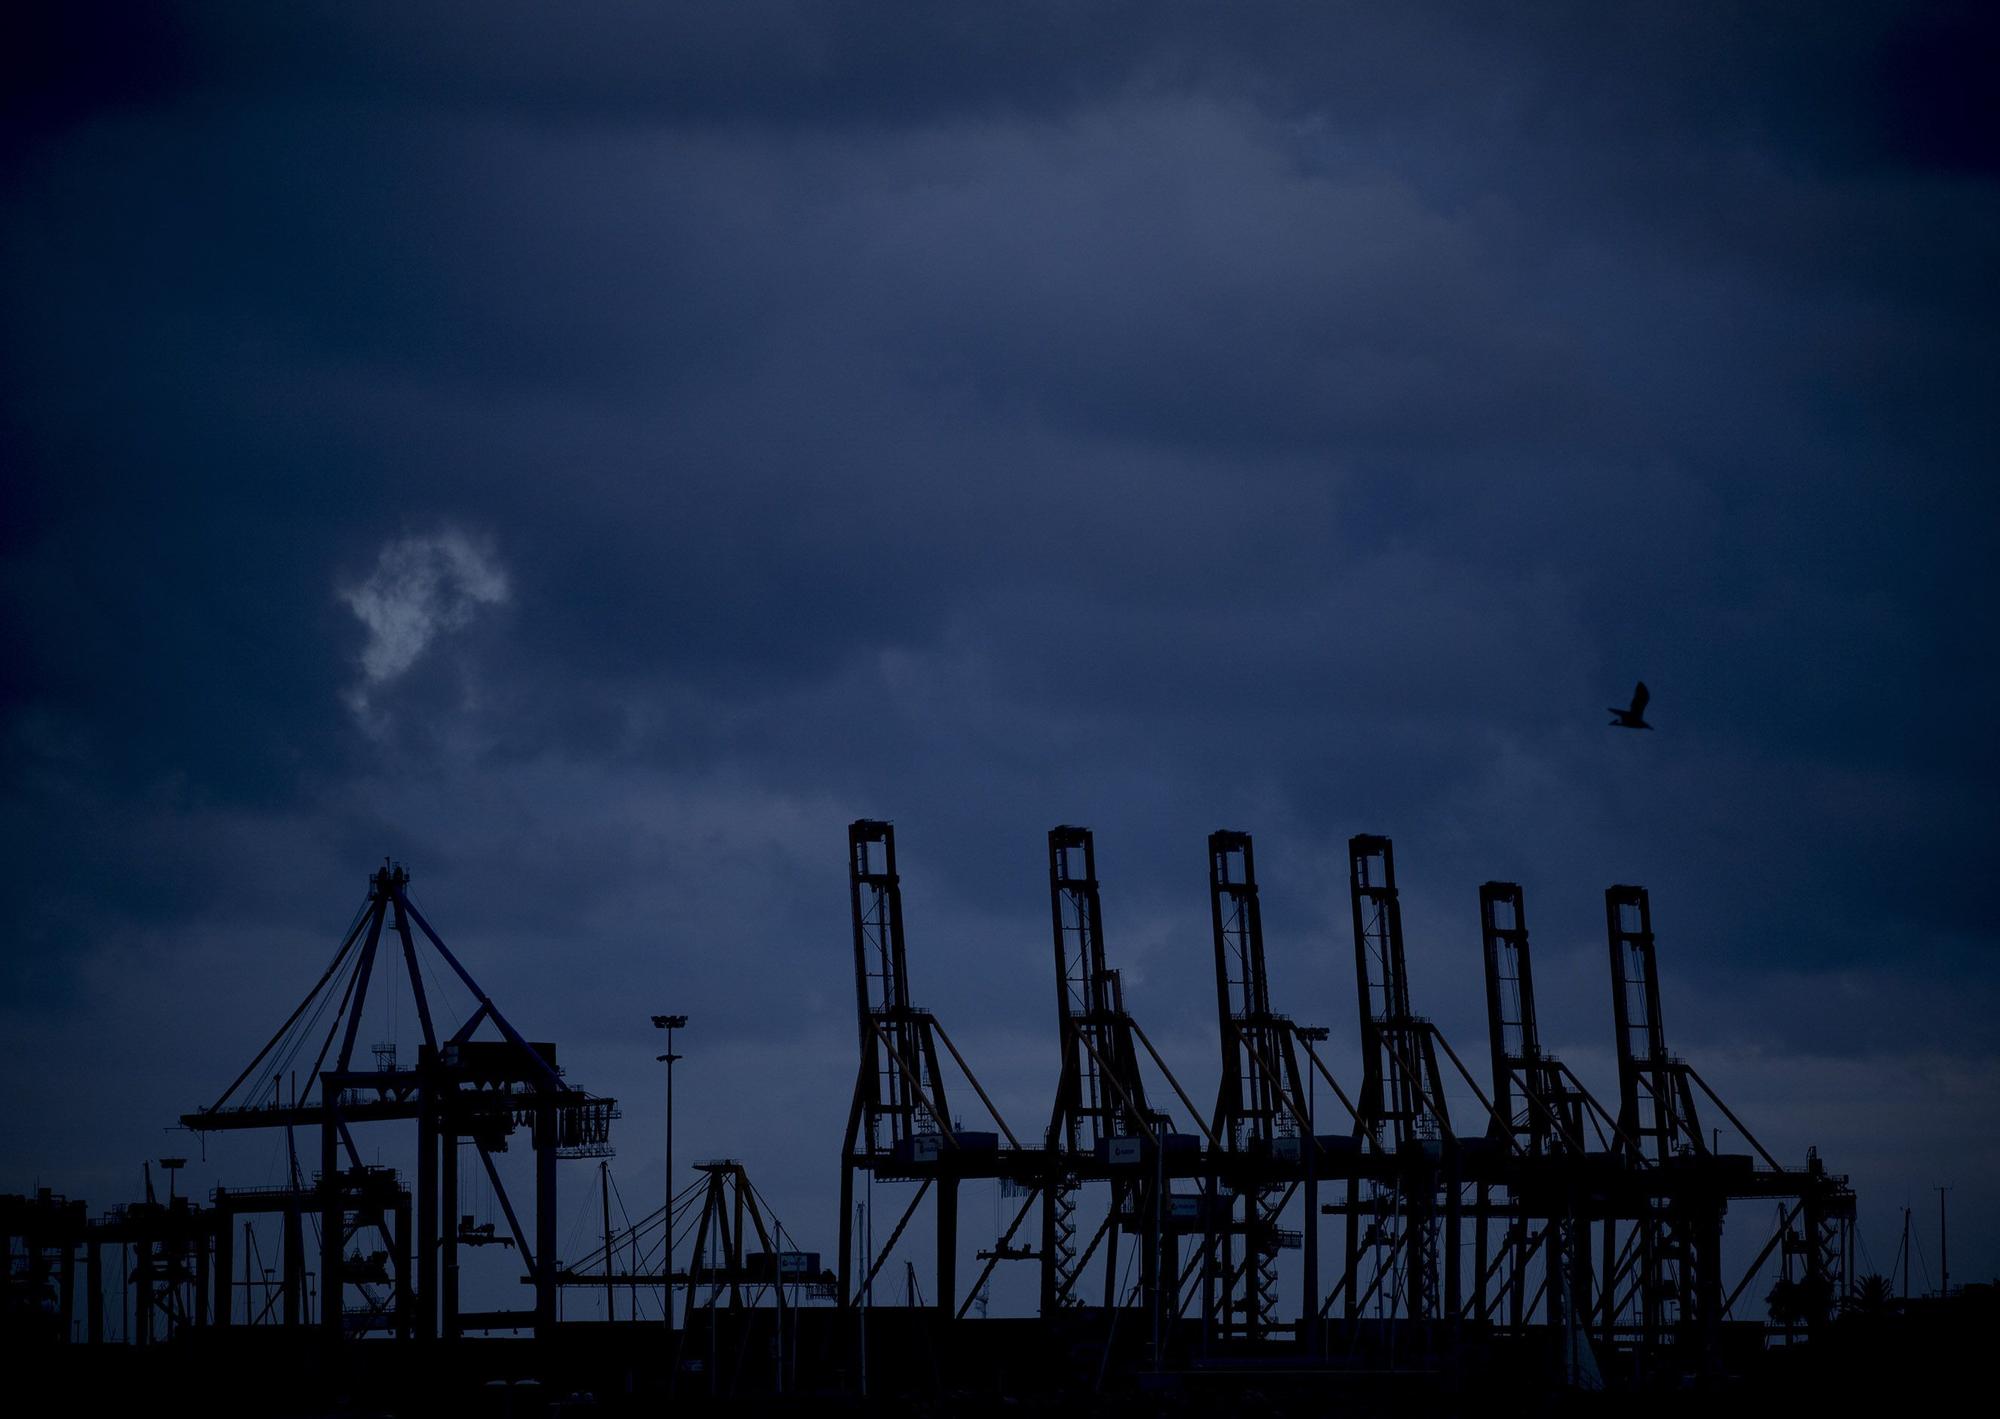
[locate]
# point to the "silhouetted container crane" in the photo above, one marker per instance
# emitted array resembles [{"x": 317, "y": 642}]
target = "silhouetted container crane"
[
  {"x": 900, "y": 1125},
  {"x": 1543, "y": 1122},
  {"x": 1260, "y": 1105},
  {"x": 462, "y": 1087},
  {"x": 1600, "y": 1229},
  {"x": 1663, "y": 1282},
  {"x": 1103, "y": 1126}
]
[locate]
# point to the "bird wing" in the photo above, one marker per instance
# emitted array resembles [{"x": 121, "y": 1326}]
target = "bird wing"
[{"x": 1639, "y": 697}]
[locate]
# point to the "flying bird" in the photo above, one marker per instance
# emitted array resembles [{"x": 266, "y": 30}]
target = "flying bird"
[{"x": 1634, "y": 716}]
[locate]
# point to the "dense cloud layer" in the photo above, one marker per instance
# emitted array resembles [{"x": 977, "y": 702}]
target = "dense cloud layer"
[{"x": 592, "y": 457}]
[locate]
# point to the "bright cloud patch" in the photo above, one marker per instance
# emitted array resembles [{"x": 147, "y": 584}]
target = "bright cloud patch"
[{"x": 421, "y": 588}]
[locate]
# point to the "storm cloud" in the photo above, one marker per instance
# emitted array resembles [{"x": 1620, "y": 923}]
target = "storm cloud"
[{"x": 593, "y": 456}]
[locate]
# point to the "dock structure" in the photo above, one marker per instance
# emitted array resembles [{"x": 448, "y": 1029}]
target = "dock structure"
[
  {"x": 1544, "y": 1215},
  {"x": 1544, "y": 1223}
]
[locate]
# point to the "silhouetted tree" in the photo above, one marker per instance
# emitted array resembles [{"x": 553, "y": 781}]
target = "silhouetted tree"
[{"x": 1871, "y": 1300}]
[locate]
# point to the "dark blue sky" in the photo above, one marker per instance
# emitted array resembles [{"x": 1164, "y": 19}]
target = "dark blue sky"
[{"x": 593, "y": 455}]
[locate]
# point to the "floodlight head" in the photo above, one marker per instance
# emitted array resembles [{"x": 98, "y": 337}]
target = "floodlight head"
[
  {"x": 670, "y": 1022},
  {"x": 1315, "y": 1033}
]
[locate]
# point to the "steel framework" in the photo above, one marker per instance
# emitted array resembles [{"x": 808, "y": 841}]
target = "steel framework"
[
  {"x": 1402, "y": 1112},
  {"x": 900, "y": 1126},
  {"x": 1260, "y": 1125},
  {"x": 463, "y": 1087},
  {"x": 1542, "y": 1123},
  {"x": 1596, "y": 1228},
  {"x": 1101, "y": 1119}
]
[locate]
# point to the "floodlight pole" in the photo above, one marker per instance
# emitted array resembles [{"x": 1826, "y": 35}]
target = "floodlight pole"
[
  {"x": 1944, "y": 1248},
  {"x": 1311, "y": 1035},
  {"x": 669, "y": 1023}
]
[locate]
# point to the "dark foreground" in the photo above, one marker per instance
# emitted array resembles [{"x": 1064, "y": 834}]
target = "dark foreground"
[{"x": 918, "y": 1365}]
